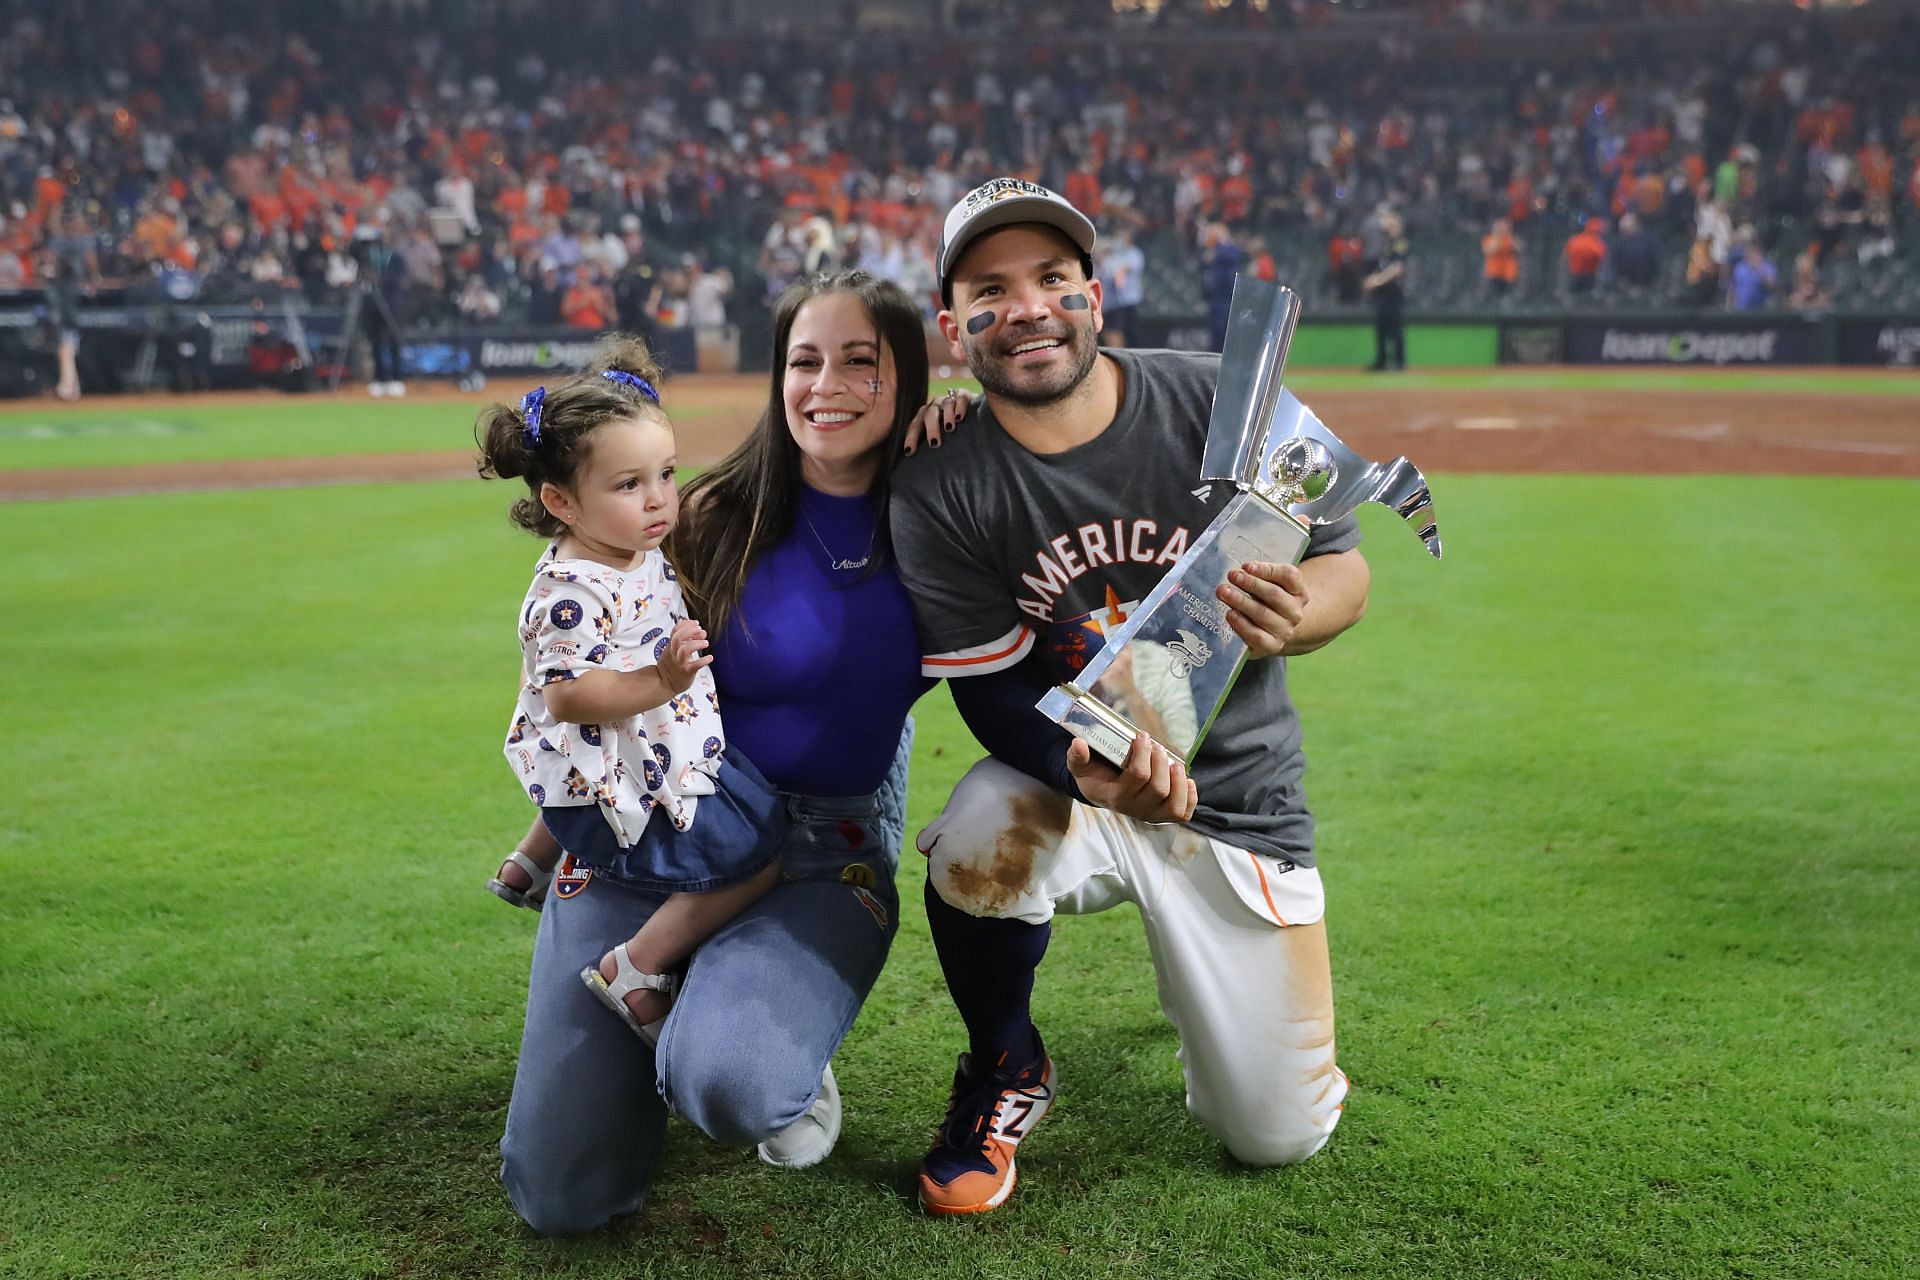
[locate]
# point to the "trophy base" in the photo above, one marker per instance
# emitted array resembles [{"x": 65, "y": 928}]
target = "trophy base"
[{"x": 1080, "y": 714}]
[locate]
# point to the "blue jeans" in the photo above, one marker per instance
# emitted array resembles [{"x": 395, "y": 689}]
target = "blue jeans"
[{"x": 766, "y": 1002}]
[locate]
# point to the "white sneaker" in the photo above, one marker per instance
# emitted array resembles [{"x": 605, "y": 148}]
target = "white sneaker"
[
  {"x": 376, "y": 388},
  {"x": 808, "y": 1140},
  {"x": 396, "y": 388}
]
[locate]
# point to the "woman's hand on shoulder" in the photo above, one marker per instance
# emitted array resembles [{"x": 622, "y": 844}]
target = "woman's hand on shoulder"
[{"x": 939, "y": 416}]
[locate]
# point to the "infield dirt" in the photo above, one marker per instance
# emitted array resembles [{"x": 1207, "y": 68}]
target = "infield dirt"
[{"x": 1756, "y": 430}]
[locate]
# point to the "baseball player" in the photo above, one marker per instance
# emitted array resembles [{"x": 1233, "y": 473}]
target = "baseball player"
[{"x": 1032, "y": 534}]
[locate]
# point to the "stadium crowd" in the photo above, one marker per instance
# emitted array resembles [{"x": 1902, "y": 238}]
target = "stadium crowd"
[{"x": 477, "y": 162}]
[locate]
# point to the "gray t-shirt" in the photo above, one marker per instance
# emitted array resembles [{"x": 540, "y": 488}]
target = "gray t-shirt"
[{"x": 1011, "y": 555}]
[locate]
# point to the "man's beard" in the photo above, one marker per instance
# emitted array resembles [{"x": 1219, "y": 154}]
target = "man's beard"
[{"x": 1079, "y": 343}]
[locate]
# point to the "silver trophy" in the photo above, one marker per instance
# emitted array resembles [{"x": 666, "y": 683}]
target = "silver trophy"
[{"x": 1168, "y": 667}]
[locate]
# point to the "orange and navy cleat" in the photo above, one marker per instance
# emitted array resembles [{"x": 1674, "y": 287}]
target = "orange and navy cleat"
[{"x": 970, "y": 1169}]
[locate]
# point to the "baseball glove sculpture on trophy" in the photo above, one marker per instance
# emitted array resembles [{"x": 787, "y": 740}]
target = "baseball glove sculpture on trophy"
[{"x": 1167, "y": 669}]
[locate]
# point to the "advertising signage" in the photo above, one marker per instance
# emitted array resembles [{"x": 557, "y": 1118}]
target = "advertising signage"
[
  {"x": 1712, "y": 344},
  {"x": 1894, "y": 343}
]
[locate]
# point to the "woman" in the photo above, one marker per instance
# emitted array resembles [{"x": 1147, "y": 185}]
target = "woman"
[{"x": 784, "y": 554}]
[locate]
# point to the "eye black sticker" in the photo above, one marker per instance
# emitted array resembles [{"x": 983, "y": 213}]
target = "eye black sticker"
[{"x": 982, "y": 322}]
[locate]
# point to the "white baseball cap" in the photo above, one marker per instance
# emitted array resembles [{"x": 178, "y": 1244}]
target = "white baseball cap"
[{"x": 1000, "y": 203}]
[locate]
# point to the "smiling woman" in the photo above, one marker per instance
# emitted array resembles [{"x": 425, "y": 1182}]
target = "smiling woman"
[{"x": 849, "y": 373}]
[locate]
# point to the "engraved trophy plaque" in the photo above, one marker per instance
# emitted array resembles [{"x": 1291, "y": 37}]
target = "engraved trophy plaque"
[{"x": 1167, "y": 669}]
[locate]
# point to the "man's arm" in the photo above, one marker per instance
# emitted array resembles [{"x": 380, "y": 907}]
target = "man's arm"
[
  {"x": 999, "y": 710},
  {"x": 1384, "y": 276},
  {"x": 1295, "y": 609},
  {"x": 1337, "y": 598},
  {"x": 1152, "y": 786}
]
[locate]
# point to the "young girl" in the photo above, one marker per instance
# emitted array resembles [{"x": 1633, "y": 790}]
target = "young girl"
[{"x": 617, "y": 735}]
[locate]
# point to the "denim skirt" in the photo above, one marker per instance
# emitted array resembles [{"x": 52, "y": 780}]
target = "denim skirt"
[{"x": 736, "y": 832}]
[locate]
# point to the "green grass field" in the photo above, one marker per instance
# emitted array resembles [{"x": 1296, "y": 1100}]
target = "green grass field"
[{"x": 1618, "y": 822}]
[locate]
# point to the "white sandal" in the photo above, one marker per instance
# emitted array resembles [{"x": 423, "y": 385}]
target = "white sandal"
[
  {"x": 628, "y": 978},
  {"x": 534, "y": 896}
]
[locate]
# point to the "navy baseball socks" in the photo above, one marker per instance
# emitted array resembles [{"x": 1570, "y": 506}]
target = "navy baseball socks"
[{"x": 1005, "y": 1083}]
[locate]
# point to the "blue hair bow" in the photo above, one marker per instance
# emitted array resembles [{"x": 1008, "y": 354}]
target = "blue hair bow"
[
  {"x": 633, "y": 380},
  {"x": 530, "y": 405}
]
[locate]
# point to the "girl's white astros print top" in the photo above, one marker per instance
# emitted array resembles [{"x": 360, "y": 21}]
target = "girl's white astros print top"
[{"x": 581, "y": 616}]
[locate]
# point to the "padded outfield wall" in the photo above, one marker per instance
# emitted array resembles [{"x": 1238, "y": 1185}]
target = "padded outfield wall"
[
  {"x": 140, "y": 348},
  {"x": 1657, "y": 338}
]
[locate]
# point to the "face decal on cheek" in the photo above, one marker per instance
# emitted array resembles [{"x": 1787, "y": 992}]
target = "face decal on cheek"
[
  {"x": 1074, "y": 302},
  {"x": 873, "y": 385},
  {"x": 982, "y": 322}
]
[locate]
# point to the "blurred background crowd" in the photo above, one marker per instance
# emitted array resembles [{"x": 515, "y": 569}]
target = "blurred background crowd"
[{"x": 648, "y": 163}]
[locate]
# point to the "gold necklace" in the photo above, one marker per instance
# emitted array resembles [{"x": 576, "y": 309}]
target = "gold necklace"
[{"x": 835, "y": 562}]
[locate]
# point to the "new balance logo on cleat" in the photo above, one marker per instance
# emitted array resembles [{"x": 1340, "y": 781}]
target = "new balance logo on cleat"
[
  {"x": 971, "y": 1168},
  {"x": 1204, "y": 492},
  {"x": 1018, "y": 1117}
]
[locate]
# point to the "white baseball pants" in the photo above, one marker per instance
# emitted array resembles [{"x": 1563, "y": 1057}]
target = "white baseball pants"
[{"x": 1239, "y": 946}]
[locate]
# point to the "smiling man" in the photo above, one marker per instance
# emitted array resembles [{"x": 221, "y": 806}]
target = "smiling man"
[{"x": 1023, "y": 539}]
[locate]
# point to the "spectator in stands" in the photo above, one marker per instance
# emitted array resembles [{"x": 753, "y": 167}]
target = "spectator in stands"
[
  {"x": 781, "y": 268},
  {"x": 604, "y": 251},
  {"x": 310, "y": 267},
  {"x": 1713, "y": 223},
  {"x": 478, "y": 303},
  {"x": 1122, "y": 273},
  {"x": 455, "y": 193},
  {"x": 1808, "y": 293},
  {"x": 560, "y": 244},
  {"x": 1702, "y": 286},
  {"x": 1837, "y": 214},
  {"x": 822, "y": 256},
  {"x": 1753, "y": 279},
  {"x": 1634, "y": 255},
  {"x": 1346, "y": 264},
  {"x": 671, "y": 309},
  {"x": 1172, "y": 135},
  {"x": 1726, "y": 179},
  {"x": 1585, "y": 253},
  {"x": 424, "y": 268},
  {"x": 707, "y": 294},
  {"x": 918, "y": 276},
  {"x": 76, "y": 250},
  {"x": 1260, "y": 263},
  {"x": 545, "y": 292},
  {"x": 1876, "y": 230},
  {"x": 343, "y": 270},
  {"x": 1500, "y": 258},
  {"x": 787, "y": 235},
  {"x": 1386, "y": 287},
  {"x": 587, "y": 303},
  {"x": 636, "y": 289}
]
